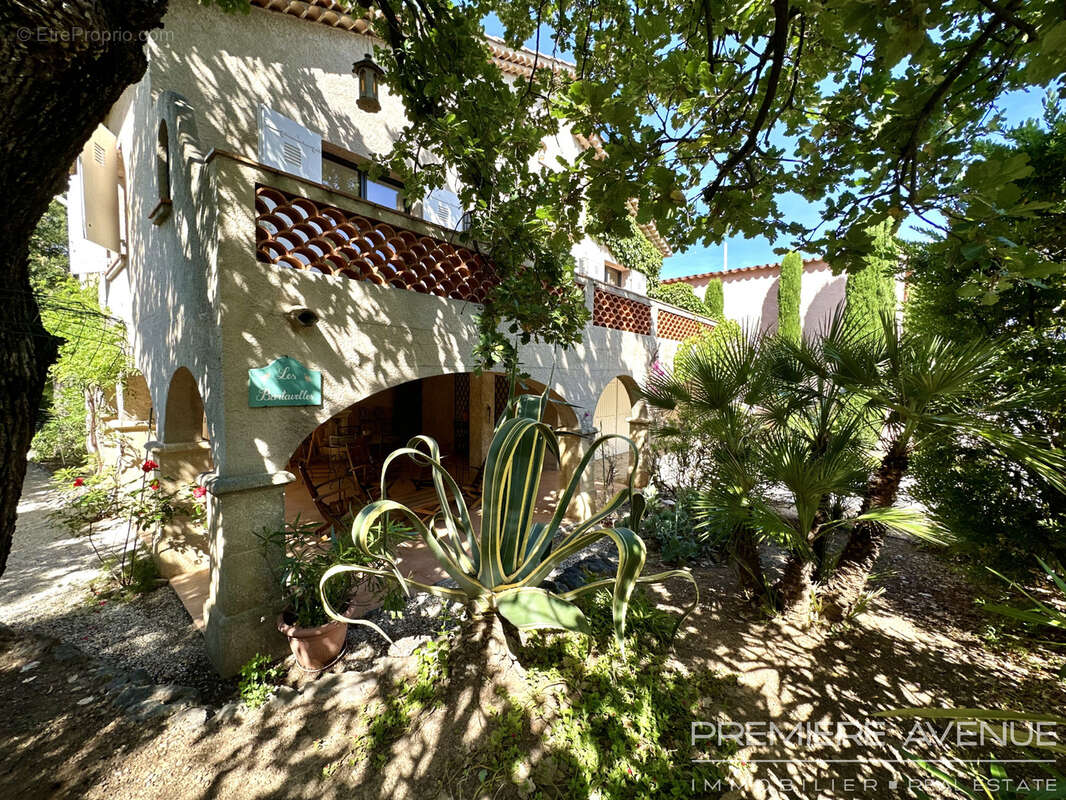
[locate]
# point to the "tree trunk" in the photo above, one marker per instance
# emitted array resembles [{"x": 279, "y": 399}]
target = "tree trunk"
[
  {"x": 745, "y": 552},
  {"x": 794, "y": 586},
  {"x": 864, "y": 545},
  {"x": 64, "y": 66}
]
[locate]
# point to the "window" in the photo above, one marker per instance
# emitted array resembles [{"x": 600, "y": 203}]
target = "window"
[
  {"x": 345, "y": 175},
  {"x": 615, "y": 277}
]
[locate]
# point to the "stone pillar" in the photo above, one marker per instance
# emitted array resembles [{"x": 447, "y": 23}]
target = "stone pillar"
[
  {"x": 482, "y": 416},
  {"x": 181, "y": 545},
  {"x": 572, "y": 448},
  {"x": 244, "y": 598},
  {"x": 640, "y": 432}
]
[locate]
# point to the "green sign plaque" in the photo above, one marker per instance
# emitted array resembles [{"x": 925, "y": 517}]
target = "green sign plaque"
[{"x": 285, "y": 382}]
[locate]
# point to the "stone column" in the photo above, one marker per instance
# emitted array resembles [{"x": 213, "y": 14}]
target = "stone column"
[
  {"x": 482, "y": 416},
  {"x": 640, "y": 432},
  {"x": 572, "y": 448},
  {"x": 244, "y": 598}
]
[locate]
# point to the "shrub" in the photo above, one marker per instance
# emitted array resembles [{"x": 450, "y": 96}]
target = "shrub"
[
  {"x": 672, "y": 525},
  {"x": 870, "y": 290},
  {"x": 61, "y": 439},
  {"x": 679, "y": 294}
]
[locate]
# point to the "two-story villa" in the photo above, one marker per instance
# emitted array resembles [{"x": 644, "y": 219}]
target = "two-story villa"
[{"x": 293, "y": 318}]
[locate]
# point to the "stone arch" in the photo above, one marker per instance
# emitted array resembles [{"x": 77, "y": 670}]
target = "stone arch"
[
  {"x": 184, "y": 454},
  {"x": 183, "y": 419},
  {"x": 614, "y": 406}
]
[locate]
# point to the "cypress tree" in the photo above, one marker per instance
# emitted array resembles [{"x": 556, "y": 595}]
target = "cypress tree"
[
  {"x": 788, "y": 297},
  {"x": 872, "y": 288},
  {"x": 714, "y": 300}
]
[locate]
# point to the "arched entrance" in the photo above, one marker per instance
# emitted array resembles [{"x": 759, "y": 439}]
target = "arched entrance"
[
  {"x": 181, "y": 546},
  {"x": 338, "y": 465}
]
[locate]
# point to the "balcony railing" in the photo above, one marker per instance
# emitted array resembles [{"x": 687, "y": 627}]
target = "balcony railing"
[{"x": 297, "y": 233}]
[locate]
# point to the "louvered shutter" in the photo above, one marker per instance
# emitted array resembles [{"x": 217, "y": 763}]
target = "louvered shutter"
[{"x": 289, "y": 146}]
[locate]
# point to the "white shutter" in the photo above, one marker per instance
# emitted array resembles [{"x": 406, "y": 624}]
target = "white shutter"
[
  {"x": 443, "y": 208},
  {"x": 289, "y": 146},
  {"x": 99, "y": 190}
]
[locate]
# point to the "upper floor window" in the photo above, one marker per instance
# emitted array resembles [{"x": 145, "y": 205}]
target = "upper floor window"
[
  {"x": 615, "y": 277},
  {"x": 346, "y": 175}
]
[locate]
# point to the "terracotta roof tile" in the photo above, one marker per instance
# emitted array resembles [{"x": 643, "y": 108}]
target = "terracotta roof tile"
[{"x": 737, "y": 271}]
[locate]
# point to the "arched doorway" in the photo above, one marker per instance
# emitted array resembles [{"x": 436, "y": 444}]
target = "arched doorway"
[
  {"x": 182, "y": 544},
  {"x": 613, "y": 409},
  {"x": 338, "y": 465}
]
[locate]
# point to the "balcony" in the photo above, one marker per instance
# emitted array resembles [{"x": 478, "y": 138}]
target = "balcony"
[{"x": 294, "y": 232}]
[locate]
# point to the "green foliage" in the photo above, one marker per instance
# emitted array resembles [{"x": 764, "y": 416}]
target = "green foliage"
[
  {"x": 680, "y": 295},
  {"x": 714, "y": 299},
  {"x": 501, "y": 567},
  {"x": 725, "y": 331},
  {"x": 683, "y": 133},
  {"x": 61, "y": 438},
  {"x": 788, "y": 297},
  {"x": 624, "y": 723},
  {"x": 998, "y": 507},
  {"x": 1040, "y": 614},
  {"x": 870, "y": 290},
  {"x": 673, "y": 526},
  {"x": 48, "y": 258},
  {"x": 299, "y": 558},
  {"x": 634, "y": 251},
  {"x": 258, "y": 679}
]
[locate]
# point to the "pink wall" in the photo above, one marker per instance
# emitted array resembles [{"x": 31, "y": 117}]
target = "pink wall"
[{"x": 751, "y": 294}]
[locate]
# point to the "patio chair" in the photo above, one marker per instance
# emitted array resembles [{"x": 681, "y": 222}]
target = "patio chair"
[{"x": 334, "y": 498}]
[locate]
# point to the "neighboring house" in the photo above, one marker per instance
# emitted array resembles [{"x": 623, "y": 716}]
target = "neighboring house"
[
  {"x": 225, "y": 205},
  {"x": 750, "y": 293}
]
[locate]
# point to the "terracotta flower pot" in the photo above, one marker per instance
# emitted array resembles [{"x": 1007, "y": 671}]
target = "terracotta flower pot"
[{"x": 317, "y": 647}]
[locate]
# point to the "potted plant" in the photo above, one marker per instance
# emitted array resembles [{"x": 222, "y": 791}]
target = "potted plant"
[{"x": 299, "y": 557}]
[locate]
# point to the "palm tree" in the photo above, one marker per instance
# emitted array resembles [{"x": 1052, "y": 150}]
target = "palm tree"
[
  {"x": 923, "y": 386},
  {"x": 712, "y": 393}
]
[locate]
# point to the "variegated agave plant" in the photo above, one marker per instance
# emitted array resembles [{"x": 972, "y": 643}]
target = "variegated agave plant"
[{"x": 501, "y": 568}]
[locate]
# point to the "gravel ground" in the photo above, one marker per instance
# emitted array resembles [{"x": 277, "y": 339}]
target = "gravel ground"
[{"x": 46, "y": 590}]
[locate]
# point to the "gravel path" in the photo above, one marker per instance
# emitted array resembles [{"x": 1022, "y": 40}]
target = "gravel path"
[{"x": 46, "y": 590}]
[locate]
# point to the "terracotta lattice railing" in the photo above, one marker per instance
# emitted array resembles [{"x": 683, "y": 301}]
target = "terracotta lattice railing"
[
  {"x": 610, "y": 310},
  {"x": 297, "y": 233},
  {"x": 674, "y": 326}
]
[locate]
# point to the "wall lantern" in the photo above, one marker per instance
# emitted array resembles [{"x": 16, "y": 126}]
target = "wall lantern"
[{"x": 368, "y": 73}]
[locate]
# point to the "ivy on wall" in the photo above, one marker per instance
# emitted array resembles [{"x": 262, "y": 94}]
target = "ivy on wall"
[{"x": 635, "y": 252}]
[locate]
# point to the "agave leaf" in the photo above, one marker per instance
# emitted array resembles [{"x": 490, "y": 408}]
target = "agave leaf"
[
  {"x": 460, "y": 530},
  {"x": 364, "y": 522},
  {"x": 657, "y": 578},
  {"x": 532, "y": 608},
  {"x": 511, "y": 489},
  {"x": 337, "y": 569}
]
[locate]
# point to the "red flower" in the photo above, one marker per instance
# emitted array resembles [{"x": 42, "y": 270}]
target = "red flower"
[
  {"x": 198, "y": 492},
  {"x": 154, "y": 486},
  {"x": 79, "y": 482},
  {"x": 149, "y": 465}
]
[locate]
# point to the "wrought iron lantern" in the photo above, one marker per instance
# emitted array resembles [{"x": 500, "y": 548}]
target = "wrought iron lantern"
[{"x": 368, "y": 74}]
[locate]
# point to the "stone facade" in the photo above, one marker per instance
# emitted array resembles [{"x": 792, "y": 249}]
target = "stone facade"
[{"x": 204, "y": 306}]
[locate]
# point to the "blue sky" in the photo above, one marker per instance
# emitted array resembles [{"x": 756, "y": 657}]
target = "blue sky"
[{"x": 1016, "y": 107}]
